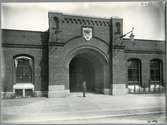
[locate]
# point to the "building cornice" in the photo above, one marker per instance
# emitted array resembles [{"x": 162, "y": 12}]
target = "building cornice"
[
  {"x": 144, "y": 40},
  {"x": 19, "y": 30},
  {"x": 145, "y": 51},
  {"x": 11, "y": 45}
]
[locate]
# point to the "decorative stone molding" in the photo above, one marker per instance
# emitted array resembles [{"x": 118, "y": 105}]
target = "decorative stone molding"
[
  {"x": 145, "y": 51},
  {"x": 86, "y": 21},
  {"x": 23, "y": 57},
  {"x": 118, "y": 47}
]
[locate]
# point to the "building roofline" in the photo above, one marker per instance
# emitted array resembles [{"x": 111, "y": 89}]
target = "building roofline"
[
  {"x": 147, "y": 40},
  {"x": 84, "y": 16},
  {"x": 19, "y": 30}
]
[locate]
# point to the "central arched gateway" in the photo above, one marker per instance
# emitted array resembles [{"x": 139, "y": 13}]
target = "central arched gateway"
[
  {"x": 85, "y": 49},
  {"x": 90, "y": 66}
]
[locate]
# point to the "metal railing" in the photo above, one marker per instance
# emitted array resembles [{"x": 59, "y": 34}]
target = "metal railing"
[{"x": 152, "y": 88}]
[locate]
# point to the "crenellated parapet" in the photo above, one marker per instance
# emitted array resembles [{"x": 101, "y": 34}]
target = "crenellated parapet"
[
  {"x": 81, "y": 20},
  {"x": 64, "y": 27}
]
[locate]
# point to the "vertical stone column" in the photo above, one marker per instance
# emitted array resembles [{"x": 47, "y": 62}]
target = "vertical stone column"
[
  {"x": 163, "y": 70},
  {"x": 117, "y": 57},
  {"x": 58, "y": 75},
  {"x": 118, "y": 71},
  {"x": 24, "y": 94},
  {"x": 107, "y": 78},
  {"x": 55, "y": 26},
  {"x": 145, "y": 72}
]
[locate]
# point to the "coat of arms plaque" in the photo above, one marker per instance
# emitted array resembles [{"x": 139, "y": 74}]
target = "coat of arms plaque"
[{"x": 87, "y": 33}]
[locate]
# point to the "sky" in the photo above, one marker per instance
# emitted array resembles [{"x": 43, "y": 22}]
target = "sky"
[{"x": 147, "y": 18}]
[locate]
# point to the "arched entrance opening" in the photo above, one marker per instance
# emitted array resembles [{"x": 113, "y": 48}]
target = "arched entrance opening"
[
  {"x": 87, "y": 66},
  {"x": 81, "y": 69}
]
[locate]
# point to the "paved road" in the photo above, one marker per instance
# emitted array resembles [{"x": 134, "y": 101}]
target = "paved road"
[
  {"x": 148, "y": 118},
  {"x": 95, "y": 107}
]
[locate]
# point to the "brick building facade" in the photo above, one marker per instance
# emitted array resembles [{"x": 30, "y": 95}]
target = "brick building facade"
[{"x": 76, "y": 49}]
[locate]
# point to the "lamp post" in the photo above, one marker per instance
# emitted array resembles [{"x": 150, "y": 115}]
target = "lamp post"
[{"x": 131, "y": 36}]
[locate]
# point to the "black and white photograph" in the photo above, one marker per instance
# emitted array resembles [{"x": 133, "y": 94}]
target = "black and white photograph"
[{"x": 83, "y": 62}]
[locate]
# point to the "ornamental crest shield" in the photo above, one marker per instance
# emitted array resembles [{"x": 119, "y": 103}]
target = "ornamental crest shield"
[{"x": 87, "y": 33}]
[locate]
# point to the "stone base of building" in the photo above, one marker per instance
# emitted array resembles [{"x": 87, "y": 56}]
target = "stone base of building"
[
  {"x": 7, "y": 95},
  {"x": 119, "y": 89},
  {"x": 97, "y": 90},
  {"x": 40, "y": 93},
  {"x": 56, "y": 91},
  {"x": 107, "y": 91},
  {"x": 12, "y": 95}
]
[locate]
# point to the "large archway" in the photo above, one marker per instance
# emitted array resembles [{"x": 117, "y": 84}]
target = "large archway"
[
  {"x": 87, "y": 66},
  {"x": 81, "y": 69}
]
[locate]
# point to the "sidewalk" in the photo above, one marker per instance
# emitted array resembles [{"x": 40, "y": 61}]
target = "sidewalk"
[{"x": 75, "y": 107}]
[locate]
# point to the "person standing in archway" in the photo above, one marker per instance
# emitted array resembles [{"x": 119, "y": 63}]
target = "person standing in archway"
[{"x": 84, "y": 88}]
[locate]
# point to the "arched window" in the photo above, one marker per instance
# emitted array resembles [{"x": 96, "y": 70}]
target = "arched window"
[
  {"x": 23, "y": 69},
  {"x": 156, "y": 70},
  {"x": 24, "y": 76},
  {"x": 134, "y": 71}
]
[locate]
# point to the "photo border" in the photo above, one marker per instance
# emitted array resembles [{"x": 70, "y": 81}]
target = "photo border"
[{"x": 38, "y": 1}]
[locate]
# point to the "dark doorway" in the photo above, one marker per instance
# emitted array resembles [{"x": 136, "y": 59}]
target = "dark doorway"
[{"x": 81, "y": 69}]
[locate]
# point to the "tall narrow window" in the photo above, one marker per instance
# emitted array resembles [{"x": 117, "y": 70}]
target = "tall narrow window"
[
  {"x": 156, "y": 70},
  {"x": 23, "y": 70},
  {"x": 134, "y": 70},
  {"x": 118, "y": 28}
]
